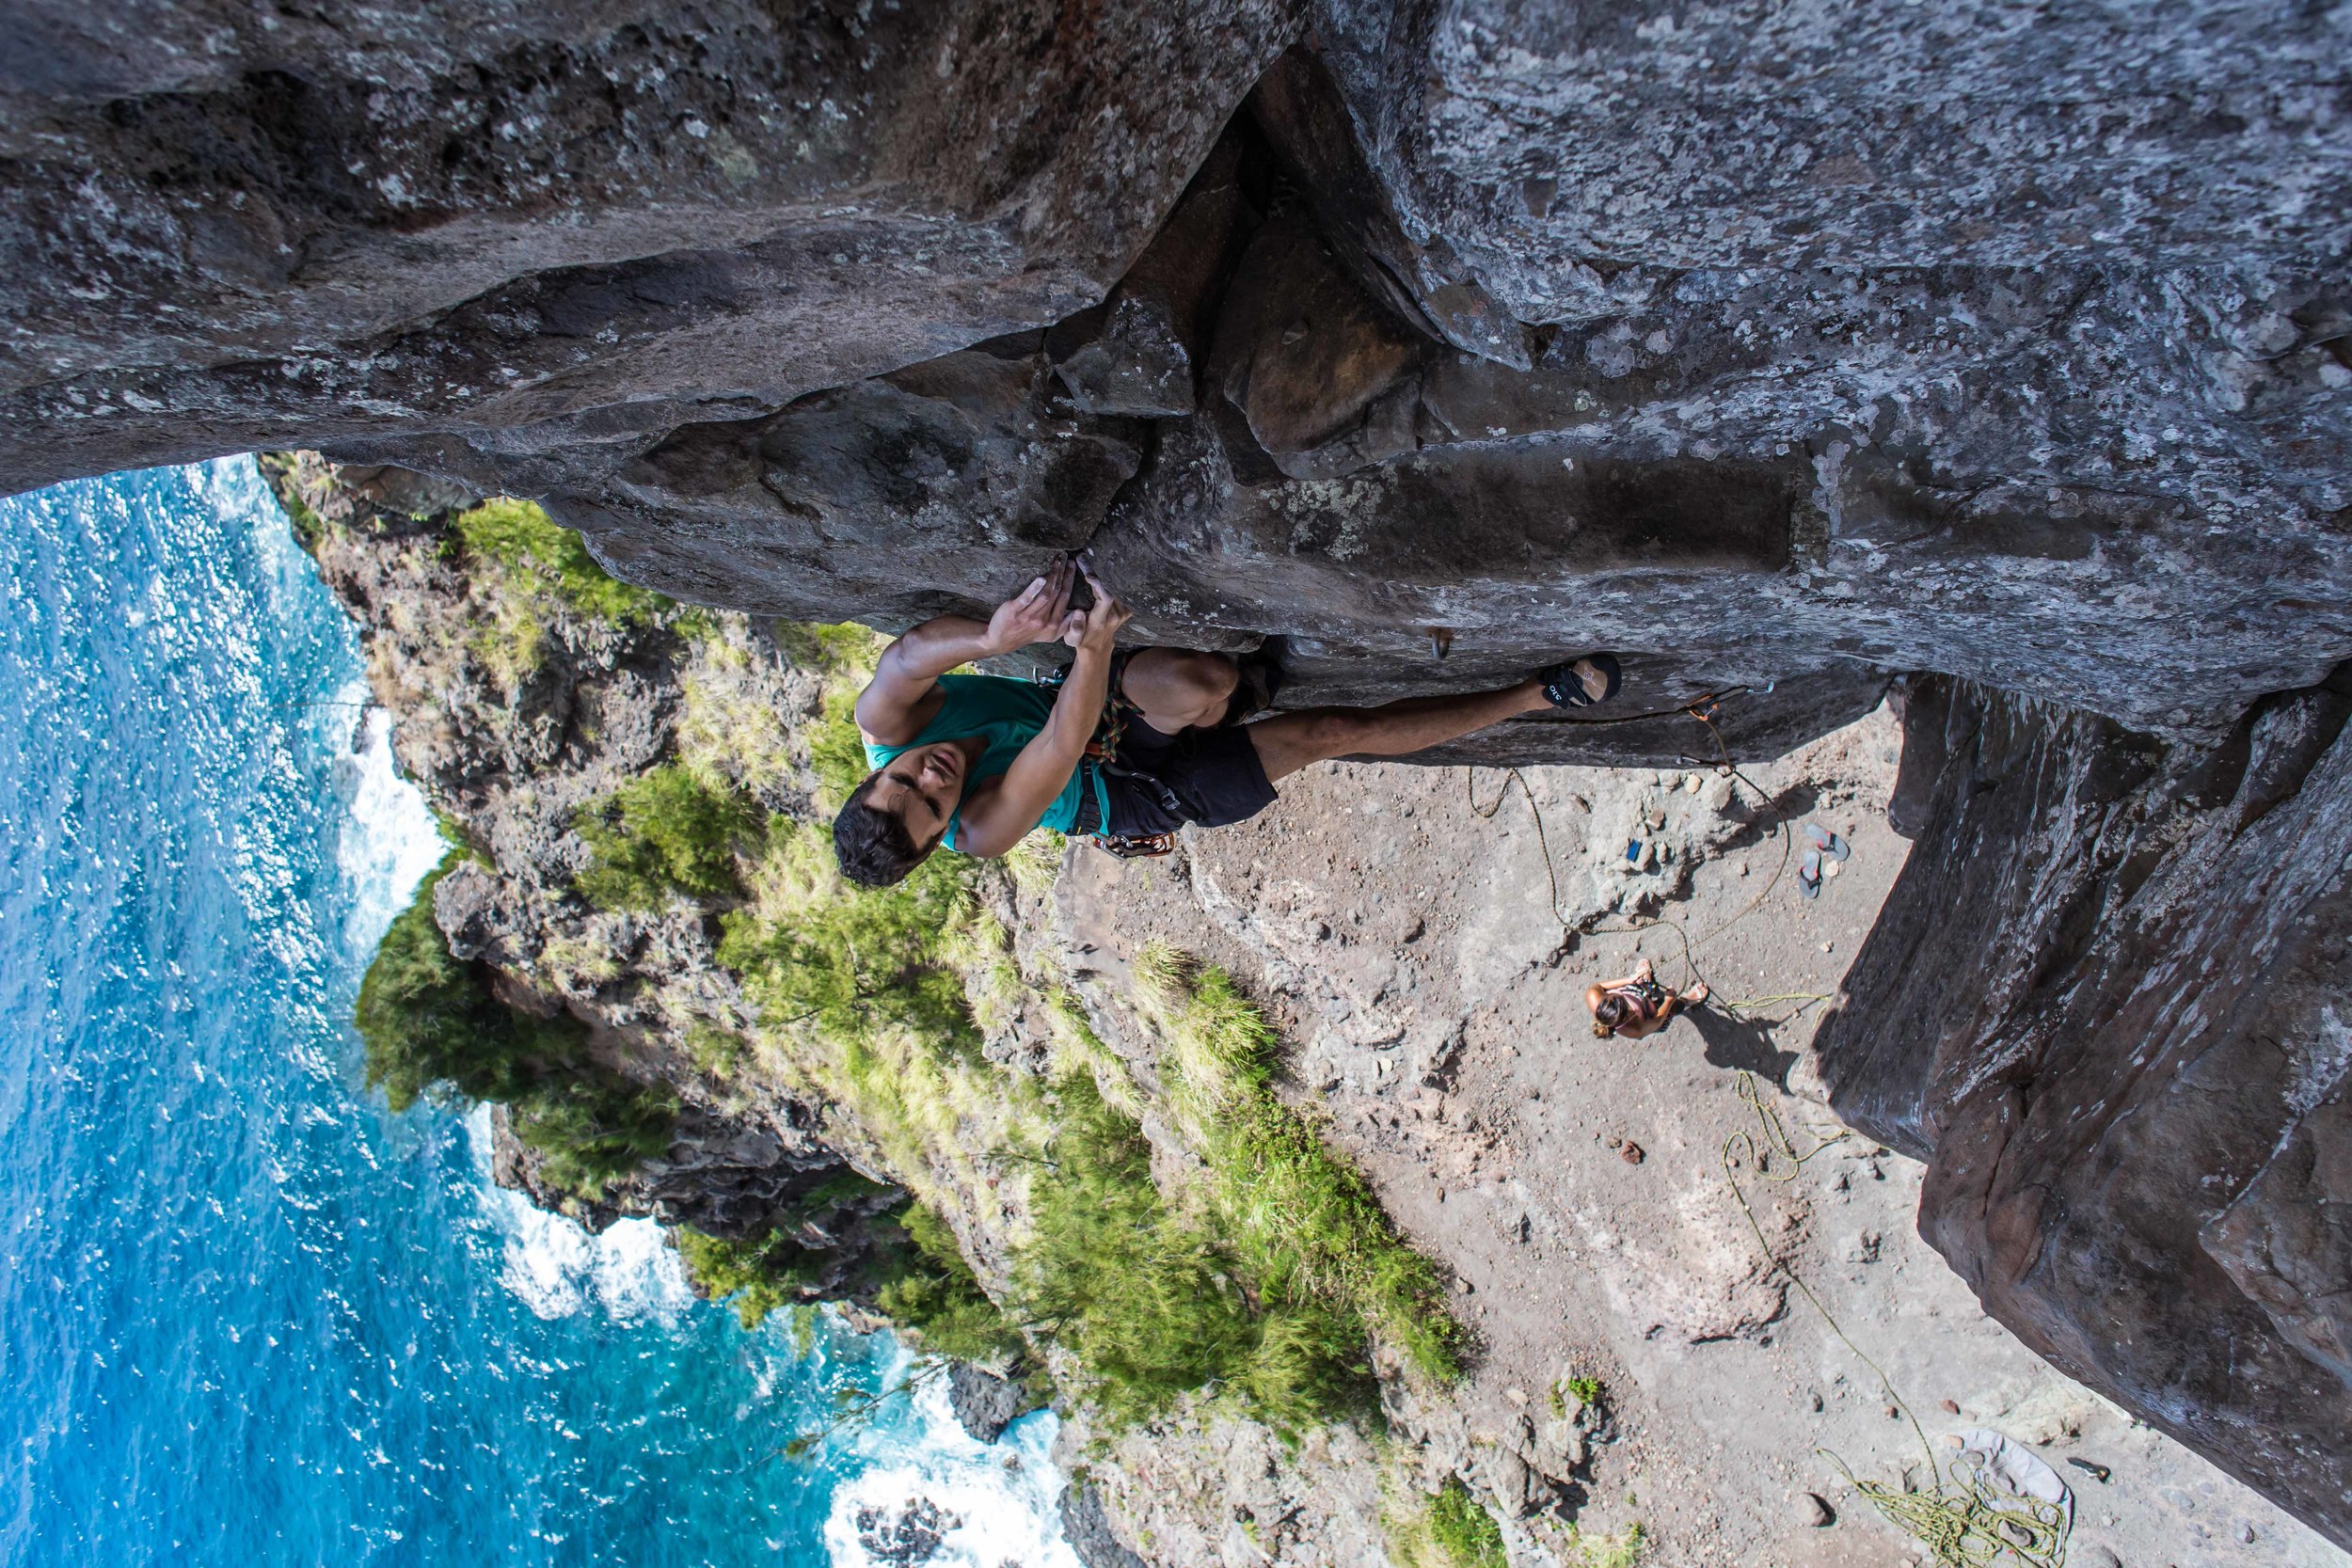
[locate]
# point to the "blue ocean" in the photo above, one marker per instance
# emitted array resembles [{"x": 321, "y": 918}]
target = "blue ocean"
[{"x": 247, "y": 1317}]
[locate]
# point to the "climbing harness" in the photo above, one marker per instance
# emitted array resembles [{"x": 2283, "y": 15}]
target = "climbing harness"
[
  {"x": 1102, "y": 752},
  {"x": 1964, "y": 1519}
]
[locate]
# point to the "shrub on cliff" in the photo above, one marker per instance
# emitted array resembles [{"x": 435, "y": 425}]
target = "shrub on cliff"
[
  {"x": 911, "y": 1272},
  {"x": 1149, "y": 1306},
  {"x": 1300, "y": 1218},
  {"x": 431, "y": 1026},
  {"x": 428, "y": 1018},
  {"x": 755, "y": 1277},
  {"x": 592, "y": 1126},
  {"x": 541, "y": 556},
  {"x": 664, "y": 833},
  {"x": 926, "y": 1286}
]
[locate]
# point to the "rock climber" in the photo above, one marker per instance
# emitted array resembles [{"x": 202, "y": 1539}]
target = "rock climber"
[
  {"x": 1638, "y": 1005},
  {"x": 1133, "y": 746}
]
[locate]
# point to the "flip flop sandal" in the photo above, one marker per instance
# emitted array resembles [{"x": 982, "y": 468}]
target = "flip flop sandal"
[
  {"x": 1826, "y": 842},
  {"x": 1562, "y": 690},
  {"x": 1809, "y": 874}
]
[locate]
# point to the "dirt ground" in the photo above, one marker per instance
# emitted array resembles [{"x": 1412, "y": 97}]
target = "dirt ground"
[{"x": 1576, "y": 1187}]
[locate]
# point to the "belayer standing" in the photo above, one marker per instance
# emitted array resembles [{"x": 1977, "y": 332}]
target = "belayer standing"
[{"x": 1133, "y": 745}]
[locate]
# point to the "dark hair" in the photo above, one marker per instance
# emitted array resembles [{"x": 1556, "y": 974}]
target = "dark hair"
[
  {"x": 874, "y": 847},
  {"x": 1611, "y": 1013}
]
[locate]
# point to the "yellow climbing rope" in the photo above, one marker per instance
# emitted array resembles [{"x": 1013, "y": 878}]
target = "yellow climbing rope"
[{"x": 1962, "y": 1519}]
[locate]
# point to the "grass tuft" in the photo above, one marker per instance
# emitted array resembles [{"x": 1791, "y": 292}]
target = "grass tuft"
[
  {"x": 540, "y": 557},
  {"x": 1448, "y": 1530},
  {"x": 1303, "y": 1220},
  {"x": 1621, "y": 1550}
]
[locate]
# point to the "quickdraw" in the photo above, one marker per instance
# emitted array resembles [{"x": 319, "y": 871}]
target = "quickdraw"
[{"x": 1137, "y": 848}]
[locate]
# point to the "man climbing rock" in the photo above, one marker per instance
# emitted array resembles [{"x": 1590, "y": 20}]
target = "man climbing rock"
[{"x": 1133, "y": 746}]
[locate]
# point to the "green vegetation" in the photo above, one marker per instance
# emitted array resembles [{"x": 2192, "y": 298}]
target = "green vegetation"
[
  {"x": 716, "y": 1051},
  {"x": 1621, "y": 1550},
  {"x": 756, "y": 1276},
  {"x": 664, "y": 832},
  {"x": 1449, "y": 1530},
  {"x": 912, "y": 1270},
  {"x": 1149, "y": 1304},
  {"x": 1586, "y": 1391},
  {"x": 534, "y": 563},
  {"x": 931, "y": 1290},
  {"x": 431, "y": 1026},
  {"x": 542, "y": 558},
  {"x": 456, "y": 835},
  {"x": 1268, "y": 1291},
  {"x": 845, "y": 654},
  {"x": 279, "y": 468},
  {"x": 1302, "y": 1221},
  {"x": 593, "y": 1126},
  {"x": 856, "y": 966}
]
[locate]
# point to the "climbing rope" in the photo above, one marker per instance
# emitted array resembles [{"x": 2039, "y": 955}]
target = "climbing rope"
[
  {"x": 1703, "y": 709},
  {"x": 1962, "y": 1519}
]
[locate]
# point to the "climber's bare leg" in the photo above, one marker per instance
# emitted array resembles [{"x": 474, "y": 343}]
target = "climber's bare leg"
[
  {"x": 1289, "y": 741},
  {"x": 1178, "y": 689}
]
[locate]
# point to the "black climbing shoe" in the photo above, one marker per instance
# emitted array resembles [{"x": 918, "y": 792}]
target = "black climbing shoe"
[{"x": 1562, "y": 690}]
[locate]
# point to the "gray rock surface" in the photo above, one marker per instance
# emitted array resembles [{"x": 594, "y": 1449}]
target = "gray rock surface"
[
  {"x": 985, "y": 1404},
  {"x": 1089, "y": 1532},
  {"x": 2104, "y": 1004},
  {"x": 521, "y": 242}
]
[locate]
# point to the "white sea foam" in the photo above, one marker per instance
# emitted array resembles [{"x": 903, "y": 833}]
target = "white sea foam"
[
  {"x": 390, "y": 840},
  {"x": 996, "y": 1502},
  {"x": 558, "y": 1270}
]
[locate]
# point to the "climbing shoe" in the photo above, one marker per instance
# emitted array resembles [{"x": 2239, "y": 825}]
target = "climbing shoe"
[{"x": 1561, "y": 688}]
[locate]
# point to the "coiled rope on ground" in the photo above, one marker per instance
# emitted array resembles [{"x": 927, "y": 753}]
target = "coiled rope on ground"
[{"x": 1702, "y": 709}]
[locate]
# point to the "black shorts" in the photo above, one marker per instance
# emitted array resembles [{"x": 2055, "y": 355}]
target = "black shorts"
[{"x": 1159, "y": 783}]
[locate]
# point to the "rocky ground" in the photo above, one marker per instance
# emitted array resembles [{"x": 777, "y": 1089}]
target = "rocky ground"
[{"x": 1577, "y": 1189}]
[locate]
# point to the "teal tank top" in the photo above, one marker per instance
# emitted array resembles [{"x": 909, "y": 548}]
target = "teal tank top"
[{"x": 1007, "y": 714}]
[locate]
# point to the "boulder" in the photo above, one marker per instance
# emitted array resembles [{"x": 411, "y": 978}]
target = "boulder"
[
  {"x": 2103, "y": 1002},
  {"x": 984, "y": 1403}
]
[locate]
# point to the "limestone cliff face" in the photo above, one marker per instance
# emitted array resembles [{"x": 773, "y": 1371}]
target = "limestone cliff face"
[{"x": 1788, "y": 354}]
